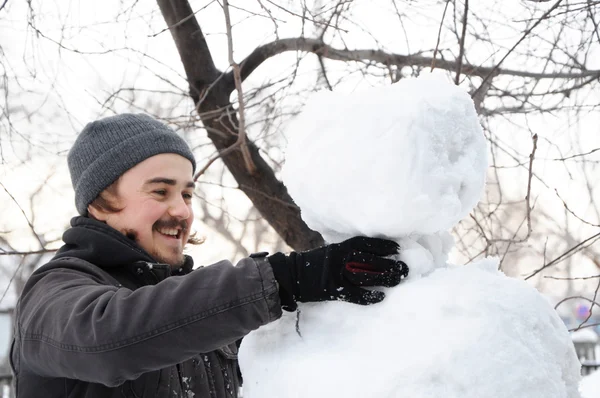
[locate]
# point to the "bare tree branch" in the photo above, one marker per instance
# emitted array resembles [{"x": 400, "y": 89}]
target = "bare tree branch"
[
  {"x": 527, "y": 32},
  {"x": 566, "y": 254},
  {"x": 439, "y": 35},
  {"x": 574, "y": 298},
  {"x": 210, "y": 92},
  {"x": 530, "y": 175},
  {"x": 26, "y": 253},
  {"x": 298, "y": 15},
  {"x": 593, "y": 301},
  {"x": 583, "y": 278},
  {"x": 241, "y": 131},
  {"x": 461, "y": 52},
  {"x": 183, "y": 20},
  {"x": 266, "y": 51},
  {"x": 24, "y": 215},
  {"x": 579, "y": 155}
]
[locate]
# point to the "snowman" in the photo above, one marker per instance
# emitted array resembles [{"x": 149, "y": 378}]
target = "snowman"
[{"x": 405, "y": 162}]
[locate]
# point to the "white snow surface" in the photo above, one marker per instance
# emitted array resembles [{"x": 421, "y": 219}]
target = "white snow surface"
[
  {"x": 405, "y": 162},
  {"x": 584, "y": 336},
  {"x": 409, "y": 158},
  {"x": 461, "y": 332},
  {"x": 590, "y": 385}
]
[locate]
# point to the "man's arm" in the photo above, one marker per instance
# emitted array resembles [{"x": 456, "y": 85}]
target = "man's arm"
[{"x": 71, "y": 325}]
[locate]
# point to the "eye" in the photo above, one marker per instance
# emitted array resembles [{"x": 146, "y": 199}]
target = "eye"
[
  {"x": 187, "y": 195},
  {"x": 161, "y": 192}
]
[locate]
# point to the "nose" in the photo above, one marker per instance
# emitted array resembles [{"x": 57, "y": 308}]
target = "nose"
[{"x": 180, "y": 209}]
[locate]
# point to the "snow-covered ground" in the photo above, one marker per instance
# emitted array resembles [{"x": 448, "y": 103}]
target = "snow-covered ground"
[
  {"x": 585, "y": 335},
  {"x": 406, "y": 162},
  {"x": 590, "y": 386}
]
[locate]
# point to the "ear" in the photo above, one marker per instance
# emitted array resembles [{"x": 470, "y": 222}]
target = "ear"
[{"x": 97, "y": 213}]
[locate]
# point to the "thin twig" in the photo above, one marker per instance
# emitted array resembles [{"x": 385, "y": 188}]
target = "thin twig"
[
  {"x": 528, "y": 197},
  {"x": 221, "y": 154},
  {"x": 573, "y": 213},
  {"x": 589, "y": 325},
  {"x": 74, "y": 50},
  {"x": 510, "y": 243},
  {"x": 270, "y": 16},
  {"x": 569, "y": 252},
  {"x": 324, "y": 72},
  {"x": 437, "y": 44},
  {"x": 24, "y": 215},
  {"x": 238, "y": 86},
  {"x": 576, "y": 156},
  {"x": 12, "y": 278},
  {"x": 18, "y": 253},
  {"x": 3, "y": 4},
  {"x": 273, "y": 198},
  {"x": 528, "y": 207},
  {"x": 461, "y": 52},
  {"x": 589, "y": 10},
  {"x": 527, "y": 32},
  {"x": 303, "y": 16},
  {"x": 573, "y": 298},
  {"x": 184, "y": 20},
  {"x": 581, "y": 278},
  {"x": 321, "y": 37},
  {"x": 591, "y": 311}
]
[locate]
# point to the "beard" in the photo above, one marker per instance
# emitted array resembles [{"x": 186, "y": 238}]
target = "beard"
[{"x": 177, "y": 259}]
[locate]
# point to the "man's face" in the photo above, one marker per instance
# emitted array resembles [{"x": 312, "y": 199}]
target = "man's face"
[{"x": 156, "y": 201}]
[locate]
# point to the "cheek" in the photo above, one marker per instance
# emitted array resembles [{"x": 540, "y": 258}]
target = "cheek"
[
  {"x": 148, "y": 212},
  {"x": 190, "y": 222}
]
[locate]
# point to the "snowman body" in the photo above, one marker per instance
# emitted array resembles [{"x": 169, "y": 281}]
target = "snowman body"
[{"x": 405, "y": 162}]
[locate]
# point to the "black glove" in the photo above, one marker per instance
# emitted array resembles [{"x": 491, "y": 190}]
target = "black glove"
[{"x": 336, "y": 271}]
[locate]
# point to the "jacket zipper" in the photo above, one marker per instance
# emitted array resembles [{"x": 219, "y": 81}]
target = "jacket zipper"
[{"x": 210, "y": 376}]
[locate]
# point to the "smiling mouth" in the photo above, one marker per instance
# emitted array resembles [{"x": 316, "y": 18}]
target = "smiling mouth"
[{"x": 172, "y": 233}]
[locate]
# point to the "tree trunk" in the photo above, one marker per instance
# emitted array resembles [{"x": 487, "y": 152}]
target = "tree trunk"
[{"x": 211, "y": 93}]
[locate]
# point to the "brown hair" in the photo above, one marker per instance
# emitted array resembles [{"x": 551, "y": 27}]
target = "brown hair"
[{"x": 105, "y": 201}]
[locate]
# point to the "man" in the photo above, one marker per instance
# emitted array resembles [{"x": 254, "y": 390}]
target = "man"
[{"x": 118, "y": 311}]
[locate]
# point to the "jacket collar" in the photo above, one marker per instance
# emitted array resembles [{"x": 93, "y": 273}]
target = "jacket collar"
[{"x": 96, "y": 242}]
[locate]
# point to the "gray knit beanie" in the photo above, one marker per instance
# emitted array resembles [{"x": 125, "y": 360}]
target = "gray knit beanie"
[{"x": 107, "y": 148}]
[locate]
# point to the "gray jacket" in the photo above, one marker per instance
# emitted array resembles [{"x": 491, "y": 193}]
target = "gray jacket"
[{"x": 103, "y": 320}]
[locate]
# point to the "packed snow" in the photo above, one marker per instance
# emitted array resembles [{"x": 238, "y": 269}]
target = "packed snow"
[
  {"x": 394, "y": 160},
  {"x": 405, "y": 162},
  {"x": 458, "y": 333}
]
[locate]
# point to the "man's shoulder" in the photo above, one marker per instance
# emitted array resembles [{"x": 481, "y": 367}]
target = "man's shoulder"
[
  {"x": 61, "y": 273},
  {"x": 74, "y": 265},
  {"x": 68, "y": 262}
]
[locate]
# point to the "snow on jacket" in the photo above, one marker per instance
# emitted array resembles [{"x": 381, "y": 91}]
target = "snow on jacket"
[{"x": 102, "y": 319}]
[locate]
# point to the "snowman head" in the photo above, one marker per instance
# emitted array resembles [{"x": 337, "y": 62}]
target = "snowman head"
[{"x": 394, "y": 161}]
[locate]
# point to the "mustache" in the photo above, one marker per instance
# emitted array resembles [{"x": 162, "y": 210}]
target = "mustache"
[{"x": 172, "y": 223}]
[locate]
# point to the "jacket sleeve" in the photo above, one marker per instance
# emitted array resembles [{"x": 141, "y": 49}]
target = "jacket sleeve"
[{"x": 72, "y": 325}]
